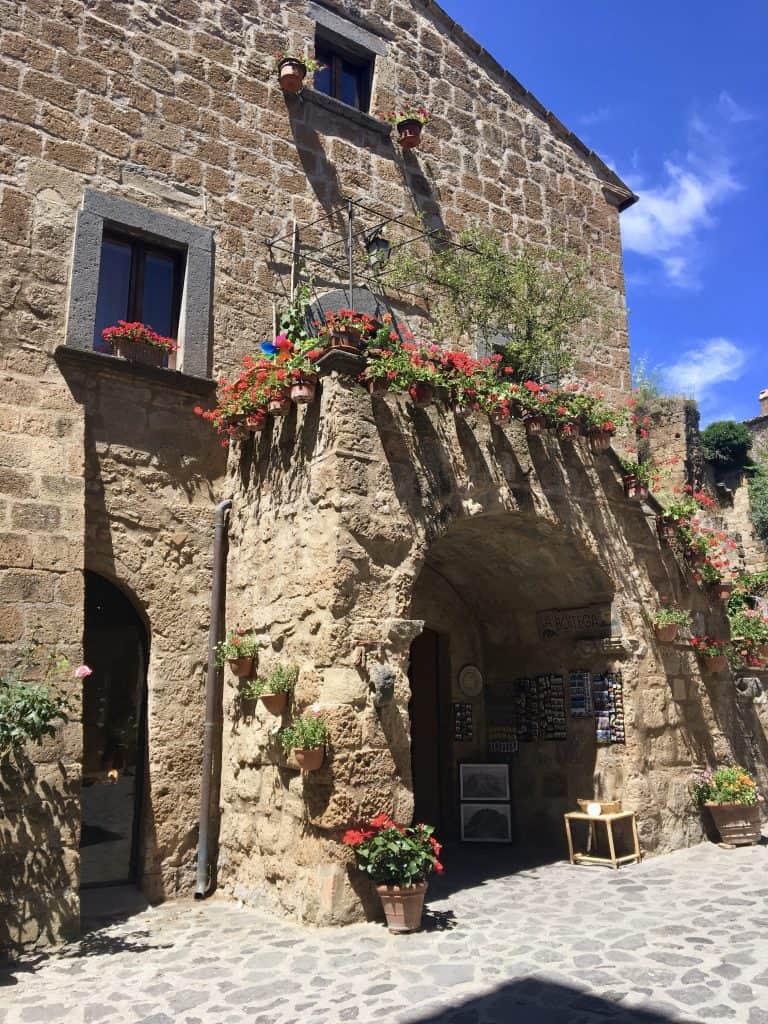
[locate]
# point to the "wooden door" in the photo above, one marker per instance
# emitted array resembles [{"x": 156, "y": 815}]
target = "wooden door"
[{"x": 431, "y": 774}]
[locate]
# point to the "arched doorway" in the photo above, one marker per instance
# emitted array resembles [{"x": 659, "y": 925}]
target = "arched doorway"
[
  {"x": 486, "y": 664},
  {"x": 114, "y": 735}
]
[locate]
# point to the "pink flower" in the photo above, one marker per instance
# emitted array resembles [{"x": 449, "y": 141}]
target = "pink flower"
[{"x": 82, "y": 672}]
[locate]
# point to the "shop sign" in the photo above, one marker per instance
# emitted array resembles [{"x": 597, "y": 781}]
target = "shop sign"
[{"x": 595, "y": 621}]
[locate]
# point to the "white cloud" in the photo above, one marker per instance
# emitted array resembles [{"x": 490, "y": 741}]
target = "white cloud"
[
  {"x": 667, "y": 223},
  {"x": 703, "y": 366},
  {"x": 596, "y": 116}
]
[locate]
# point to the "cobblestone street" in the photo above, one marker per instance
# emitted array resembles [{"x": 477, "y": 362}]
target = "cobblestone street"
[{"x": 682, "y": 937}]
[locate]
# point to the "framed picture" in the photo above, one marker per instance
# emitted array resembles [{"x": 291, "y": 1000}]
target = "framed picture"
[
  {"x": 486, "y": 823},
  {"x": 483, "y": 782}
]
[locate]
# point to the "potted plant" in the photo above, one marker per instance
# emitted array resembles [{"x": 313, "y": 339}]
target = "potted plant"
[
  {"x": 302, "y": 370},
  {"x": 306, "y": 737},
  {"x": 139, "y": 343},
  {"x": 422, "y": 372},
  {"x": 238, "y": 650},
  {"x": 272, "y": 689},
  {"x": 347, "y": 329},
  {"x": 385, "y": 361},
  {"x": 714, "y": 653},
  {"x": 32, "y": 710},
  {"x": 399, "y": 859},
  {"x": 409, "y": 123},
  {"x": 749, "y": 634},
  {"x": 636, "y": 478},
  {"x": 730, "y": 795},
  {"x": 533, "y": 398},
  {"x": 667, "y": 622},
  {"x": 676, "y": 516},
  {"x": 292, "y": 70}
]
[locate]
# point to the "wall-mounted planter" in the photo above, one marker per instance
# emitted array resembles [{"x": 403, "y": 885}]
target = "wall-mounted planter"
[
  {"x": 311, "y": 759},
  {"x": 667, "y": 530},
  {"x": 634, "y": 489},
  {"x": 422, "y": 393},
  {"x": 600, "y": 440},
  {"x": 719, "y": 663},
  {"x": 241, "y": 667},
  {"x": 535, "y": 424},
  {"x": 137, "y": 352},
  {"x": 722, "y": 590},
  {"x": 303, "y": 390},
  {"x": 667, "y": 634},
  {"x": 280, "y": 404},
  {"x": 409, "y": 133},
  {"x": 256, "y": 422},
  {"x": 275, "y": 703},
  {"x": 291, "y": 74}
]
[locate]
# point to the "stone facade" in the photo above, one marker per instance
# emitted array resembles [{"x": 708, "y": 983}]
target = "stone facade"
[{"x": 175, "y": 107}]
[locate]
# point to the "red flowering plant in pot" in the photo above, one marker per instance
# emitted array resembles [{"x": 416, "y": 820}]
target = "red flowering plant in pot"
[
  {"x": 638, "y": 476},
  {"x": 242, "y": 403},
  {"x": 399, "y": 859},
  {"x": 669, "y": 620},
  {"x": 139, "y": 343},
  {"x": 293, "y": 69},
  {"x": 533, "y": 398},
  {"x": 713, "y": 653},
  {"x": 386, "y": 361},
  {"x": 239, "y": 650},
  {"x": 409, "y": 122},
  {"x": 348, "y": 330},
  {"x": 749, "y": 635},
  {"x": 422, "y": 372}
]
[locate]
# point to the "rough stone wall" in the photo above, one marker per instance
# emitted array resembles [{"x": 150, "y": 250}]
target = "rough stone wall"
[
  {"x": 357, "y": 497},
  {"x": 178, "y": 108}
]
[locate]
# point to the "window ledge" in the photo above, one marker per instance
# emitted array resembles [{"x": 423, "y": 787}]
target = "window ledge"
[
  {"x": 335, "y": 106},
  {"x": 102, "y": 362}
]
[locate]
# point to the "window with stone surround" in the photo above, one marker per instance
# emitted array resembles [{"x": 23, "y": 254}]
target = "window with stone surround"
[
  {"x": 133, "y": 263},
  {"x": 349, "y": 53}
]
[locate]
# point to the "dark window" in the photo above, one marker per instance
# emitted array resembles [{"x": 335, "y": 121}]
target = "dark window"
[
  {"x": 138, "y": 281},
  {"x": 347, "y": 75}
]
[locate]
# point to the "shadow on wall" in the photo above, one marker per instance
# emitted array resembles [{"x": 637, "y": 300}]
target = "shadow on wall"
[
  {"x": 39, "y": 831},
  {"x": 540, "y": 1001}
]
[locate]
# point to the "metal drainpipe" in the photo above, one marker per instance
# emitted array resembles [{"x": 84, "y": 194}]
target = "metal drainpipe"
[{"x": 212, "y": 698}]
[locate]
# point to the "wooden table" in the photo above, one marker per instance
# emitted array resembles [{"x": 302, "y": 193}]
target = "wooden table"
[{"x": 608, "y": 820}]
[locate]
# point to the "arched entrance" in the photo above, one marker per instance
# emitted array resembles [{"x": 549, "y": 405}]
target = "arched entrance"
[
  {"x": 490, "y": 681},
  {"x": 114, "y": 734}
]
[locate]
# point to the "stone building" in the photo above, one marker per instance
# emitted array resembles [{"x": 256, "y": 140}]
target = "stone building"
[{"x": 147, "y": 154}]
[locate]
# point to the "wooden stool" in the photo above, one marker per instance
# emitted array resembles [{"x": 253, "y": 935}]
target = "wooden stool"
[{"x": 608, "y": 819}]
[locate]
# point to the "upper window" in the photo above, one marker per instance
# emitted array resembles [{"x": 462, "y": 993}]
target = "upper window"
[
  {"x": 138, "y": 281},
  {"x": 347, "y": 74}
]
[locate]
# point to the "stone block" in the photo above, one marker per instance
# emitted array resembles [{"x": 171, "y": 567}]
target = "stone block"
[{"x": 343, "y": 685}]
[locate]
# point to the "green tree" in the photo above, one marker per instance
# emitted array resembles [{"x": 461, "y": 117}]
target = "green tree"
[{"x": 726, "y": 443}]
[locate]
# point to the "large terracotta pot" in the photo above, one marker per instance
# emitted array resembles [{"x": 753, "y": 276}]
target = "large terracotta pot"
[
  {"x": 291, "y": 74},
  {"x": 717, "y": 664},
  {"x": 274, "y": 702},
  {"x": 535, "y": 424},
  {"x": 421, "y": 393},
  {"x": 310, "y": 759},
  {"x": 635, "y": 490},
  {"x": 666, "y": 634},
  {"x": 137, "y": 352},
  {"x": 303, "y": 391},
  {"x": 409, "y": 133},
  {"x": 600, "y": 439},
  {"x": 403, "y": 907},
  {"x": 242, "y": 667},
  {"x": 737, "y": 824},
  {"x": 348, "y": 340}
]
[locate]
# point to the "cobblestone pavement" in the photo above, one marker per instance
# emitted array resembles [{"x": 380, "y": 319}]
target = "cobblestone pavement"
[{"x": 678, "y": 938}]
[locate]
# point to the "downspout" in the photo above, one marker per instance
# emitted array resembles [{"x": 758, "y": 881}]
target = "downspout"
[{"x": 212, "y": 700}]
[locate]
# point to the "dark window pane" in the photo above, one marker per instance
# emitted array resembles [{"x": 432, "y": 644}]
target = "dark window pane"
[
  {"x": 350, "y": 85},
  {"x": 114, "y": 286},
  {"x": 321, "y": 80},
  {"x": 157, "y": 305}
]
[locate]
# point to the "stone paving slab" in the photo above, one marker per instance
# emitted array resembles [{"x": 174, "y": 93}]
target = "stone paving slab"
[{"x": 680, "y": 938}]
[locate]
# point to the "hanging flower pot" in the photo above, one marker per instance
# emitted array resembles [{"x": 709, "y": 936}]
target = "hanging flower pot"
[
  {"x": 634, "y": 489},
  {"x": 666, "y": 529},
  {"x": 717, "y": 663},
  {"x": 422, "y": 393},
  {"x": 403, "y": 906},
  {"x": 309, "y": 759},
  {"x": 291, "y": 73},
  {"x": 275, "y": 703},
  {"x": 256, "y": 421},
  {"x": 535, "y": 424},
  {"x": 409, "y": 133},
  {"x": 499, "y": 414},
  {"x": 241, "y": 667},
  {"x": 600, "y": 440},
  {"x": 303, "y": 390},
  {"x": 241, "y": 430},
  {"x": 348, "y": 339},
  {"x": 569, "y": 431},
  {"x": 666, "y": 634},
  {"x": 377, "y": 386},
  {"x": 279, "y": 405}
]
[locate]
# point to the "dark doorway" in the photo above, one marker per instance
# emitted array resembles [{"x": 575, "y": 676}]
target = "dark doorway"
[
  {"x": 430, "y": 764},
  {"x": 114, "y": 730}
]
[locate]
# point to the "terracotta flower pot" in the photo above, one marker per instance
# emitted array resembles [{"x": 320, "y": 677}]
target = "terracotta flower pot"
[
  {"x": 378, "y": 386},
  {"x": 279, "y": 405},
  {"x": 241, "y": 431},
  {"x": 667, "y": 530},
  {"x": 241, "y": 667},
  {"x": 600, "y": 439},
  {"x": 348, "y": 340},
  {"x": 738, "y": 824},
  {"x": 421, "y": 393},
  {"x": 409, "y": 133},
  {"x": 256, "y": 422},
  {"x": 274, "y": 702},
  {"x": 138, "y": 352},
  {"x": 697, "y": 557},
  {"x": 403, "y": 906},
  {"x": 717, "y": 663},
  {"x": 499, "y": 415},
  {"x": 303, "y": 391},
  {"x": 291, "y": 74},
  {"x": 535, "y": 424},
  {"x": 634, "y": 489},
  {"x": 311, "y": 759},
  {"x": 666, "y": 634}
]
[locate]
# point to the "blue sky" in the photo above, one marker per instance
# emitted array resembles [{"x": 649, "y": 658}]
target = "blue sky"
[{"x": 672, "y": 95}]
